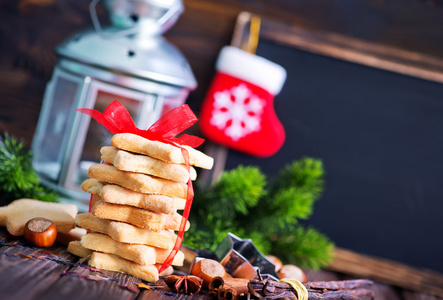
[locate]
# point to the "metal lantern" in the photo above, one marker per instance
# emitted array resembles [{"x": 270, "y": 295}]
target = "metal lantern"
[{"x": 128, "y": 61}]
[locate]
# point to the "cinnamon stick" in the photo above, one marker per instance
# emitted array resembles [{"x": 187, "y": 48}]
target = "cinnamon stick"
[{"x": 229, "y": 288}]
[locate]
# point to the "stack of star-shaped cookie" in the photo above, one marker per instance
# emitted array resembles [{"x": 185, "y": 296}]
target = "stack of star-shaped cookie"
[{"x": 135, "y": 197}]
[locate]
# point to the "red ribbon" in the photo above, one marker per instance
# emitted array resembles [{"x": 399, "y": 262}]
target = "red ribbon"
[{"x": 117, "y": 120}]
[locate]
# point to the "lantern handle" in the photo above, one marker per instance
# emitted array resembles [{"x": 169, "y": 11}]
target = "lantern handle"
[{"x": 96, "y": 22}]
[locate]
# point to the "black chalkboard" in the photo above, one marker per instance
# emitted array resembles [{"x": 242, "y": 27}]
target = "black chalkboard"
[{"x": 379, "y": 134}]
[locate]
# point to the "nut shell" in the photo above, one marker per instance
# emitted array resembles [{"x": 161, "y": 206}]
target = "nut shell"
[
  {"x": 293, "y": 272},
  {"x": 207, "y": 269},
  {"x": 40, "y": 232},
  {"x": 276, "y": 261}
]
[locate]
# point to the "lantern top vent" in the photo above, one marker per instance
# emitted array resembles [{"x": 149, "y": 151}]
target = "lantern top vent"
[{"x": 132, "y": 46}]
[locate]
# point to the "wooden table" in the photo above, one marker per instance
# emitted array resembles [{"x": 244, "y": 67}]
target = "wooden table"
[{"x": 52, "y": 273}]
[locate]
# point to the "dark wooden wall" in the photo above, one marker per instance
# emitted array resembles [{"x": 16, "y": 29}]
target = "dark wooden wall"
[{"x": 30, "y": 29}]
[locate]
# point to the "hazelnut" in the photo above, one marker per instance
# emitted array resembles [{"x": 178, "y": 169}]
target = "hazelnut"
[
  {"x": 40, "y": 232},
  {"x": 207, "y": 269},
  {"x": 293, "y": 272},
  {"x": 276, "y": 261}
]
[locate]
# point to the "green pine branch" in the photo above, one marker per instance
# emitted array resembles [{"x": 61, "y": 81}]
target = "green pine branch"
[
  {"x": 305, "y": 247},
  {"x": 16, "y": 172},
  {"x": 243, "y": 203},
  {"x": 18, "y": 178},
  {"x": 306, "y": 173},
  {"x": 240, "y": 189}
]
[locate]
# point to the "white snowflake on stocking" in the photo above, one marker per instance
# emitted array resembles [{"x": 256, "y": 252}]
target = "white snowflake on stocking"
[{"x": 237, "y": 112}]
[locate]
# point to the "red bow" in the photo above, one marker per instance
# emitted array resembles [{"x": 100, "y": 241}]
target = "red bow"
[{"x": 117, "y": 120}]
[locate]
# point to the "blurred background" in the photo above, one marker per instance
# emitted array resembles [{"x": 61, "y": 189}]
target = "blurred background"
[{"x": 380, "y": 203}]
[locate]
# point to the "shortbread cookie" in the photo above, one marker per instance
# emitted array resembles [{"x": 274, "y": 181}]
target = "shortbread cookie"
[
  {"x": 116, "y": 194},
  {"x": 139, "y": 217},
  {"x": 162, "y": 151},
  {"x": 115, "y": 263},
  {"x": 138, "y": 182},
  {"x": 15, "y": 215},
  {"x": 94, "y": 199},
  {"x": 127, "y": 233},
  {"x": 64, "y": 238},
  {"x": 92, "y": 186},
  {"x": 168, "y": 271},
  {"x": 141, "y": 254},
  {"x": 76, "y": 248},
  {"x": 126, "y": 161}
]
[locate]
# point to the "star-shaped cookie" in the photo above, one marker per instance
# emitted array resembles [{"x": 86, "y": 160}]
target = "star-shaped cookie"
[{"x": 15, "y": 215}]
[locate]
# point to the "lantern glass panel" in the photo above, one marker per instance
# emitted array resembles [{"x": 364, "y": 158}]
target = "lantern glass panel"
[
  {"x": 86, "y": 151},
  {"x": 52, "y": 137},
  {"x": 97, "y": 135}
]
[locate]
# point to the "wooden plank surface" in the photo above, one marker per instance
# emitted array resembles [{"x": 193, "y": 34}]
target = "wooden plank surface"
[
  {"x": 354, "y": 50},
  {"x": 83, "y": 283},
  {"x": 26, "y": 272},
  {"x": 52, "y": 274},
  {"x": 24, "y": 277},
  {"x": 163, "y": 295},
  {"x": 387, "y": 271},
  {"x": 29, "y": 36}
]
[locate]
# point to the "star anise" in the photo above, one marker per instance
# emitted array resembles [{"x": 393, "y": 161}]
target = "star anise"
[{"x": 188, "y": 284}]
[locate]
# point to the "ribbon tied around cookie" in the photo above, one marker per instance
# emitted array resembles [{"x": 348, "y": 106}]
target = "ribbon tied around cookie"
[{"x": 118, "y": 120}]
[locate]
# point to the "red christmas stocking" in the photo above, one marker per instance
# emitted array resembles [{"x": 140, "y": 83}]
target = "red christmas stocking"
[{"x": 238, "y": 110}]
